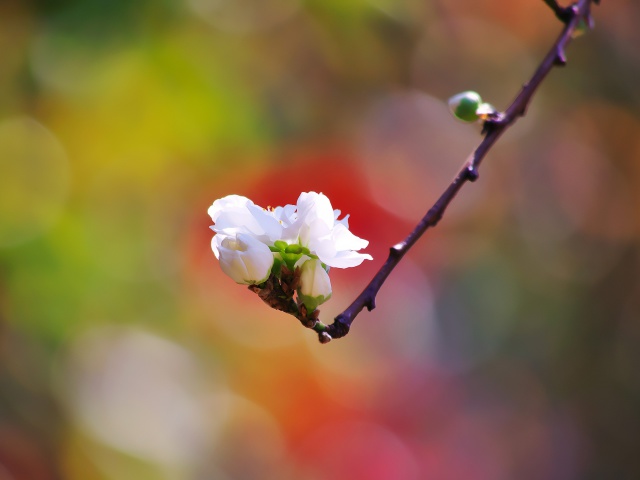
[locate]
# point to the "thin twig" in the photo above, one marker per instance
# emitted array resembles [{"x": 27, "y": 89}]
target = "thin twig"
[{"x": 492, "y": 130}]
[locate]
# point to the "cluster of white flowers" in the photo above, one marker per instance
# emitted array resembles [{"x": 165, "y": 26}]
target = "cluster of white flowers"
[{"x": 252, "y": 242}]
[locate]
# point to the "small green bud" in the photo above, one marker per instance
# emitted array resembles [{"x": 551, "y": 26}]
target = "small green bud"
[
  {"x": 280, "y": 245},
  {"x": 464, "y": 106},
  {"x": 294, "y": 248}
]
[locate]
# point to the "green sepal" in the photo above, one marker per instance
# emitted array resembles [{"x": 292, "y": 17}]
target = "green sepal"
[
  {"x": 290, "y": 259},
  {"x": 289, "y": 254},
  {"x": 311, "y": 303}
]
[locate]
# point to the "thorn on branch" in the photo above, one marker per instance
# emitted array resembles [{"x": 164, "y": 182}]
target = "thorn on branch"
[
  {"x": 561, "y": 58},
  {"x": 396, "y": 250},
  {"x": 472, "y": 173},
  {"x": 371, "y": 304}
]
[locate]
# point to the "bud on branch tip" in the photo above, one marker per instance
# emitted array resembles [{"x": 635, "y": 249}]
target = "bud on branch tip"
[{"x": 468, "y": 107}]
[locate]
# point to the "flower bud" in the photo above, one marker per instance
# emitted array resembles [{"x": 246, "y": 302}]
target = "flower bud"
[
  {"x": 464, "y": 106},
  {"x": 242, "y": 257},
  {"x": 315, "y": 286}
]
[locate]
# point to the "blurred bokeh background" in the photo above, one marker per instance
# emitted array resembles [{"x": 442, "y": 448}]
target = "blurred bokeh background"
[{"x": 505, "y": 346}]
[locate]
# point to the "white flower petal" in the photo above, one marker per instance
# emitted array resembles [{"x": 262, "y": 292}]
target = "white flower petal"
[
  {"x": 227, "y": 203},
  {"x": 312, "y": 206},
  {"x": 312, "y": 233},
  {"x": 244, "y": 258},
  {"x": 215, "y": 244},
  {"x": 345, "y": 240},
  {"x": 347, "y": 259},
  {"x": 286, "y": 215},
  {"x": 301, "y": 260},
  {"x": 314, "y": 280},
  {"x": 235, "y": 214},
  {"x": 264, "y": 224},
  {"x": 344, "y": 221}
]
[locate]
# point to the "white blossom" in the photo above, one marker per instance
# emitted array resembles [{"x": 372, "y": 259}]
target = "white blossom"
[
  {"x": 316, "y": 226},
  {"x": 306, "y": 235},
  {"x": 242, "y": 257}
]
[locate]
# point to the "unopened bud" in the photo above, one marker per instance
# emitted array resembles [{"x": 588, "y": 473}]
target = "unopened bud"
[
  {"x": 464, "y": 106},
  {"x": 245, "y": 259},
  {"x": 315, "y": 286}
]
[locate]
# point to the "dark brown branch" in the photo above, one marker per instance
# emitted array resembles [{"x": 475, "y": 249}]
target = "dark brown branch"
[
  {"x": 493, "y": 128},
  {"x": 564, "y": 14}
]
